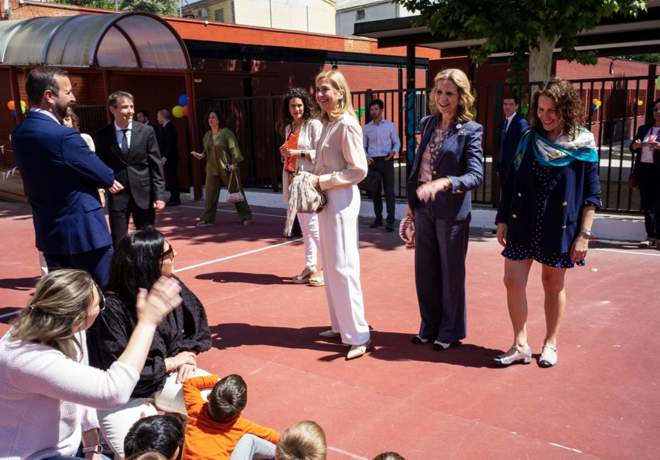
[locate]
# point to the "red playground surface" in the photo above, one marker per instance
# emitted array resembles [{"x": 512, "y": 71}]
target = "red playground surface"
[{"x": 601, "y": 401}]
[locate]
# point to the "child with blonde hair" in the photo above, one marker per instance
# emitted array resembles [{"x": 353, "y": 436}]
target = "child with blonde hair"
[{"x": 302, "y": 441}]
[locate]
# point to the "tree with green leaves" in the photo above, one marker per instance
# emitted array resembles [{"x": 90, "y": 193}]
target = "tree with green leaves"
[
  {"x": 529, "y": 29},
  {"x": 160, "y": 7},
  {"x": 108, "y": 4}
]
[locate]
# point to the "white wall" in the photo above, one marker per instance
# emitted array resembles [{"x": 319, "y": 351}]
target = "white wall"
[
  {"x": 316, "y": 16},
  {"x": 346, "y": 18}
]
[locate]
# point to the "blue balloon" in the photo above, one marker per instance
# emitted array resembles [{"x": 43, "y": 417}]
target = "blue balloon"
[
  {"x": 13, "y": 113},
  {"x": 183, "y": 100}
]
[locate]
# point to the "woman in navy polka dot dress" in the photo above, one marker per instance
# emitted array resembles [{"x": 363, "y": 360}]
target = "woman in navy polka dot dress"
[{"x": 546, "y": 212}]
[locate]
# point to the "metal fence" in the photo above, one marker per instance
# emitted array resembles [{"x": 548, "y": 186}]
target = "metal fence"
[{"x": 614, "y": 109}]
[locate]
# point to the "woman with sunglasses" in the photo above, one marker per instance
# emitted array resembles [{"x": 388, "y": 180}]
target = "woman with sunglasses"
[
  {"x": 48, "y": 391},
  {"x": 140, "y": 259}
]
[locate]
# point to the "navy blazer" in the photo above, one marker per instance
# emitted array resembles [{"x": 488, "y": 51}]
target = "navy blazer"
[
  {"x": 460, "y": 160},
  {"x": 572, "y": 187},
  {"x": 140, "y": 171},
  {"x": 509, "y": 145},
  {"x": 61, "y": 177}
]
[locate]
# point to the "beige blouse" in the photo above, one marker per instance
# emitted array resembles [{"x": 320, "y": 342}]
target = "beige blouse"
[{"x": 340, "y": 157}]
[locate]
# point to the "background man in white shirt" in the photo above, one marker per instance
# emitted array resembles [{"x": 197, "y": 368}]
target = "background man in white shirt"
[{"x": 381, "y": 143}]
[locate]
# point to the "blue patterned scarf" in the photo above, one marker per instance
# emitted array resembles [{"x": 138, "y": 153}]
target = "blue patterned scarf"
[{"x": 560, "y": 153}]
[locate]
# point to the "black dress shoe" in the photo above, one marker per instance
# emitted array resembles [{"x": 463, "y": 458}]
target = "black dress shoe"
[
  {"x": 442, "y": 346},
  {"x": 376, "y": 223},
  {"x": 419, "y": 340},
  {"x": 389, "y": 228}
]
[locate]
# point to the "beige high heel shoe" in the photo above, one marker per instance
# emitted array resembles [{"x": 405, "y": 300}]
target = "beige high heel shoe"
[{"x": 357, "y": 350}]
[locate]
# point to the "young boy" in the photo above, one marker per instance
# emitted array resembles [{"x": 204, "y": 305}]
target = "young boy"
[
  {"x": 215, "y": 428},
  {"x": 156, "y": 433},
  {"x": 302, "y": 441}
]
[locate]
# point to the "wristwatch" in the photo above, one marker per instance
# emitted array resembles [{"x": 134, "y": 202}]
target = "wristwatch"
[
  {"x": 586, "y": 233},
  {"x": 97, "y": 449}
]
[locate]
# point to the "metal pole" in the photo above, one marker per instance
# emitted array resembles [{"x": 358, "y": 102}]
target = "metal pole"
[
  {"x": 194, "y": 134},
  {"x": 411, "y": 141},
  {"x": 16, "y": 94}
]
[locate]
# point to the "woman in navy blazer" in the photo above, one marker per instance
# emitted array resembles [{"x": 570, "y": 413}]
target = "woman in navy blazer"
[
  {"x": 448, "y": 164},
  {"x": 546, "y": 212},
  {"x": 646, "y": 167}
]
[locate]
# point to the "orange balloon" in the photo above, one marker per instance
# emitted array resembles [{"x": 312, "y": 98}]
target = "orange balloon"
[{"x": 11, "y": 105}]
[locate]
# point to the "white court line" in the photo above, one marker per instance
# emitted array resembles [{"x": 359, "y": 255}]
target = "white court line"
[
  {"x": 240, "y": 254},
  {"x": 348, "y": 454},
  {"x": 623, "y": 251},
  {"x": 577, "y": 451},
  {"x": 7, "y": 315}
]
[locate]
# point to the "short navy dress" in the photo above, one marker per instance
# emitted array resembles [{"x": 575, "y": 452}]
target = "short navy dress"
[{"x": 533, "y": 249}]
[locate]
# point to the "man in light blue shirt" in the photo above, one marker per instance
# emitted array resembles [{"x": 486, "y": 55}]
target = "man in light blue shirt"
[{"x": 381, "y": 142}]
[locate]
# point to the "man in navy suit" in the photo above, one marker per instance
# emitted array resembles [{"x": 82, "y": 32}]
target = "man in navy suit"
[
  {"x": 62, "y": 177},
  {"x": 512, "y": 128}
]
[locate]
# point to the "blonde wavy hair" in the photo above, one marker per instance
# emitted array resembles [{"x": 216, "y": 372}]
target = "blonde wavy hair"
[
  {"x": 464, "y": 111},
  {"x": 60, "y": 304},
  {"x": 302, "y": 441},
  {"x": 338, "y": 82}
]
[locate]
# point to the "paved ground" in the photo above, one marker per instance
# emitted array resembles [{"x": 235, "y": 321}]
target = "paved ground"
[{"x": 602, "y": 401}]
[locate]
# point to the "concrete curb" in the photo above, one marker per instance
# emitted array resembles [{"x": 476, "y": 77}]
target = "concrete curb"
[{"x": 606, "y": 226}]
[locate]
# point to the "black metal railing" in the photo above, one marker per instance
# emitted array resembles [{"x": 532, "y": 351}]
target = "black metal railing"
[{"x": 614, "y": 109}]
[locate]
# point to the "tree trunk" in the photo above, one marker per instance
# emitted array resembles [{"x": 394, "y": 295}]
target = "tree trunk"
[{"x": 540, "y": 60}]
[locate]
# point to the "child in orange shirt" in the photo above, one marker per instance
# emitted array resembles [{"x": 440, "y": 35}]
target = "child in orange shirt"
[{"x": 215, "y": 428}]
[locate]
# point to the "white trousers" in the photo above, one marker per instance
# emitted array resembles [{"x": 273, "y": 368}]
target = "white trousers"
[
  {"x": 338, "y": 223},
  {"x": 309, "y": 224},
  {"x": 115, "y": 423}
]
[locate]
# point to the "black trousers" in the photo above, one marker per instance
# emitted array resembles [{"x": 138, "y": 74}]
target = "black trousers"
[
  {"x": 649, "y": 192},
  {"x": 172, "y": 179},
  {"x": 119, "y": 217},
  {"x": 95, "y": 262},
  {"x": 440, "y": 250},
  {"x": 386, "y": 170}
]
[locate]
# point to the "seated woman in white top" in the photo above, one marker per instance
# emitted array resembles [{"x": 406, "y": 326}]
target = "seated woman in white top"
[{"x": 48, "y": 393}]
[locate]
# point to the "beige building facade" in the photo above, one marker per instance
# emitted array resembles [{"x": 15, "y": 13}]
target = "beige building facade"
[{"x": 317, "y": 16}]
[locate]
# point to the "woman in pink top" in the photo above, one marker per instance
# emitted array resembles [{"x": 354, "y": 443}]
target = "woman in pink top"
[
  {"x": 340, "y": 164},
  {"x": 48, "y": 393}
]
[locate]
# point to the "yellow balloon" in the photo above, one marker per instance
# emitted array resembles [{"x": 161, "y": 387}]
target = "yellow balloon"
[
  {"x": 23, "y": 106},
  {"x": 177, "y": 111}
]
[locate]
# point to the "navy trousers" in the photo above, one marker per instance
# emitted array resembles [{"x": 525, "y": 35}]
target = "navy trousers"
[
  {"x": 440, "y": 250},
  {"x": 96, "y": 263}
]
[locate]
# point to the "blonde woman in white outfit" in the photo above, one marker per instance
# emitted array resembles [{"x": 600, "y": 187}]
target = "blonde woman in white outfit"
[
  {"x": 340, "y": 164},
  {"x": 301, "y": 133}
]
